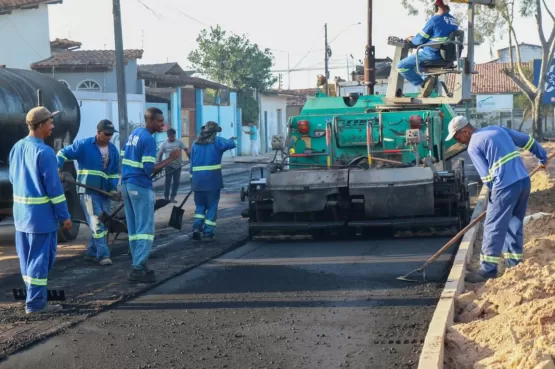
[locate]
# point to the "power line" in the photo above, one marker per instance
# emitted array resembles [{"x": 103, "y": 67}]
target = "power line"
[{"x": 309, "y": 50}]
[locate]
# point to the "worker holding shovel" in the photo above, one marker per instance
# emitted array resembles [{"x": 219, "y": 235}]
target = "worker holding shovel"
[
  {"x": 493, "y": 151},
  {"x": 98, "y": 161}
]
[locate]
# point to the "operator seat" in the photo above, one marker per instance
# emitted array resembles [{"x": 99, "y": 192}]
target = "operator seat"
[{"x": 448, "y": 52}]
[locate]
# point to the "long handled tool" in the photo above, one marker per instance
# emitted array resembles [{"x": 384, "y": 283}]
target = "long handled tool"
[
  {"x": 475, "y": 221},
  {"x": 98, "y": 190},
  {"x": 176, "y": 218}
]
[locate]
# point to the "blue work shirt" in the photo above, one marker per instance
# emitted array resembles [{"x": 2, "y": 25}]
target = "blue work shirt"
[
  {"x": 436, "y": 29},
  {"x": 206, "y": 164},
  {"x": 39, "y": 203},
  {"x": 91, "y": 168},
  {"x": 254, "y": 133},
  {"x": 139, "y": 158},
  {"x": 494, "y": 153}
]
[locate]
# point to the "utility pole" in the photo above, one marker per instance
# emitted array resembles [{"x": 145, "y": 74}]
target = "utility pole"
[
  {"x": 288, "y": 73},
  {"x": 120, "y": 74},
  {"x": 326, "y": 51},
  {"x": 370, "y": 58}
]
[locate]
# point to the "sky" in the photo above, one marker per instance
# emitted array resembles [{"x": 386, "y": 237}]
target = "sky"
[{"x": 294, "y": 29}]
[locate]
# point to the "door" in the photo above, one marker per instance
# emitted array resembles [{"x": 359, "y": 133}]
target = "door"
[
  {"x": 265, "y": 144},
  {"x": 279, "y": 123}
]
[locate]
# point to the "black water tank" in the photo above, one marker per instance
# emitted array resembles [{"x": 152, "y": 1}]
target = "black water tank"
[{"x": 18, "y": 95}]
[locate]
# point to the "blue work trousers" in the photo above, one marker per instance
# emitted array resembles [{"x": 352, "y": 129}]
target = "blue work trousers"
[
  {"x": 37, "y": 253},
  {"x": 503, "y": 226},
  {"x": 93, "y": 205},
  {"x": 206, "y": 211},
  {"x": 139, "y": 213},
  {"x": 407, "y": 66}
]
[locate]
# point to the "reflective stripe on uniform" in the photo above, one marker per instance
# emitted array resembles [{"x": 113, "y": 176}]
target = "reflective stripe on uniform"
[
  {"x": 401, "y": 70},
  {"x": 209, "y": 222},
  {"x": 499, "y": 163},
  {"x": 207, "y": 167},
  {"x": 131, "y": 163},
  {"x": 529, "y": 144},
  {"x": 35, "y": 281},
  {"x": 510, "y": 255},
  {"x": 148, "y": 159},
  {"x": 99, "y": 234},
  {"x": 137, "y": 237},
  {"x": 38, "y": 200},
  {"x": 89, "y": 172},
  {"x": 439, "y": 39},
  {"x": 122, "y": 153},
  {"x": 490, "y": 259},
  {"x": 61, "y": 155},
  {"x": 424, "y": 34},
  {"x": 199, "y": 216}
]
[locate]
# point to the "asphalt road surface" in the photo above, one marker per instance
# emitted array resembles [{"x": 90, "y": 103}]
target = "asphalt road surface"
[{"x": 268, "y": 304}]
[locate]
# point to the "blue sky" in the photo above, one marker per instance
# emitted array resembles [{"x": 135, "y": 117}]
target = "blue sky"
[{"x": 168, "y": 31}]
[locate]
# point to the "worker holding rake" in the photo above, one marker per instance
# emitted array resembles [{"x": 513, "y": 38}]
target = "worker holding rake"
[{"x": 493, "y": 151}]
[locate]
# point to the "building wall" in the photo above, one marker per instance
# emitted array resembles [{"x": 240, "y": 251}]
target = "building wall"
[
  {"x": 270, "y": 123},
  {"x": 106, "y": 79},
  {"x": 96, "y": 106},
  {"x": 225, "y": 116},
  {"x": 21, "y": 44},
  {"x": 527, "y": 53}
]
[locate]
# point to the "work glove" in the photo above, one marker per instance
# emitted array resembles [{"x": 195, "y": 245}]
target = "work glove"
[{"x": 115, "y": 196}]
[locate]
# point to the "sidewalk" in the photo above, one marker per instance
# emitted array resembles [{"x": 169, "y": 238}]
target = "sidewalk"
[{"x": 230, "y": 166}]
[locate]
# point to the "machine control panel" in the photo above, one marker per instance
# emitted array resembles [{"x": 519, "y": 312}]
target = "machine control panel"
[{"x": 413, "y": 136}]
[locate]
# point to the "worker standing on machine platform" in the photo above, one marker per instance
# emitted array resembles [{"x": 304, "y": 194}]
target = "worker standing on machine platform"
[
  {"x": 207, "y": 181},
  {"x": 139, "y": 162},
  {"x": 39, "y": 206},
  {"x": 98, "y": 161},
  {"x": 494, "y": 154},
  {"x": 437, "y": 29}
]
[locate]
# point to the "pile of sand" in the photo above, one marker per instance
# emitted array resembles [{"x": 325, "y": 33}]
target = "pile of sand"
[
  {"x": 509, "y": 322},
  {"x": 542, "y": 197}
]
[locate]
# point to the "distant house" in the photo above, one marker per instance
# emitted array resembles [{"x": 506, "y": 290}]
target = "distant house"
[
  {"x": 191, "y": 101},
  {"x": 528, "y": 52},
  {"x": 91, "y": 76},
  {"x": 22, "y": 44}
]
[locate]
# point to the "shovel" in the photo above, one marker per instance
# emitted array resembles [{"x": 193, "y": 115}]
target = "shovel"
[
  {"x": 476, "y": 220},
  {"x": 98, "y": 190},
  {"x": 176, "y": 218}
]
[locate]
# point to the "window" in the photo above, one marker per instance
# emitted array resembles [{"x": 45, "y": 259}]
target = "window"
[
  {"x": 64, "y": 83},
  {"x": 89, "y": 85}
]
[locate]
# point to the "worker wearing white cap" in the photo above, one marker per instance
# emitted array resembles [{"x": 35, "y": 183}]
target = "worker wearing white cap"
[{"x": 493, "y": 151}]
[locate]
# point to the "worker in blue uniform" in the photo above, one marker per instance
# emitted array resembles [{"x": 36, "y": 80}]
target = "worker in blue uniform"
[
  {"x": 207, "y": 181},
  {"x": 437, "y": 29},
  {"x": 139, "y": 163},
  {"x": 98, "y": 161},
  {"x": 39, "y": 206},
  {"x": 493, "y": 151}
]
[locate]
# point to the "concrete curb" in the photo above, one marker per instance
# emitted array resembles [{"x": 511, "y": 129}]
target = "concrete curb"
[{"x": 432, "y": 355}]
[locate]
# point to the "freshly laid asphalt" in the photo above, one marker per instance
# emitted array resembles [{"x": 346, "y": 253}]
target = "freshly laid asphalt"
[{"x": 268, "y": 304}]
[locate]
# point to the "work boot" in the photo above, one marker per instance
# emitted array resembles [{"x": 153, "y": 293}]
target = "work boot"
[
  {"x": 105, "y": 261},
  {"x": 173, "y": 201},
  {"x": 474, "y": 277},
  {"x": 48, "y": 309},
  {"x": 141, "y": 276},
  {"x": 196, "y": 235},
  {"x": 209, "y": 238},
  {"x": 428, "y": 86},
  {"x": 90, "y": 258}
]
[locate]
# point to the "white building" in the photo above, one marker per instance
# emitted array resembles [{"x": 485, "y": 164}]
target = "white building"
[
  {"x": 24, "y": 32},
  {"x": 528, "y": 53}
]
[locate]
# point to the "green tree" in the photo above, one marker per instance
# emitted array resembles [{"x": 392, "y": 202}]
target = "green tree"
[
  {"x": 233, "y": 60},
  {"x": 493, "y": 23}
]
